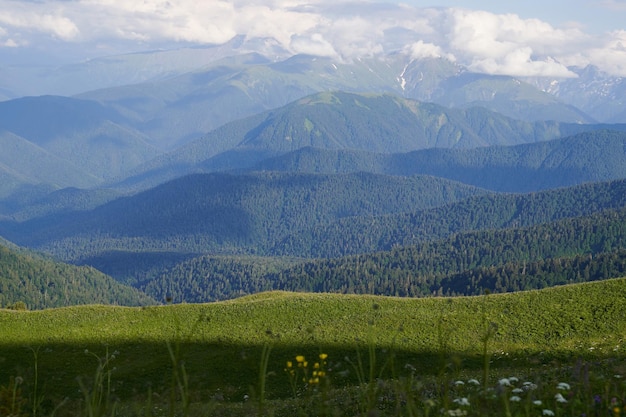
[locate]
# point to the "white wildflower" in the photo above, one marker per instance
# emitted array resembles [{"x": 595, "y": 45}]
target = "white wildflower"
[
  {"x": 473, "y": 382},
  {"x": 563, "y": 386},
  {"x": 559, "y": 398},
  {"x": 462, "y": 401},
  {"x": 547, "y": 412},
  {"x": 504, "y": 382},
  {"x": 515, "y": 399},
  {"x": 537, "y": 402},
  {"x": 458, "y": 383},
  {"x": 517, "y": 390},
  {"x": 529, "y": 386}
]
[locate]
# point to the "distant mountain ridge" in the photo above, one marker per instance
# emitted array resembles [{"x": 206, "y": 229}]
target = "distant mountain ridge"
[
  {"x": 182, "y": 108},
  {"x": 348, "y": 121},
  {"x": 62, "y": 142},
  {"x": 583, "y": 157}
]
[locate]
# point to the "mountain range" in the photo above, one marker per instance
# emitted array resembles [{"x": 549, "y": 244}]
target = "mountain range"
[{"x": 282, "y": 169}]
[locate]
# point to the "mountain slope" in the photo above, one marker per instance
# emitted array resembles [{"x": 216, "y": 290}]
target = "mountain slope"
[
  {"x": 26, "y": 168},
  {"x": 43, "y": 283},
  {"x": 570, "y": 250},
  {"x": 182, "y": 108},
  {"x": 585, "y": 157},
  {"x": 228, "y": 213},
  {"x": 489, "y": 212},
  {"x": 340, "y": 120},
  {"x": 80, "y": 133}
]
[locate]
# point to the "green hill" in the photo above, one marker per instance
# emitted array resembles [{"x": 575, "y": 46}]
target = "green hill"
[
  {"x": 41, "y": 283},
  {"x": 219, "y": 347},
  {"x": 339, "y": 319}
]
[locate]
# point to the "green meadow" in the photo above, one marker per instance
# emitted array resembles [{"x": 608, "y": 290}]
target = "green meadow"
[{"x": 281, "y": 353}]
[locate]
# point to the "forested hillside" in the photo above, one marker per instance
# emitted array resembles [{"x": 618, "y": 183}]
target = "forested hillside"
[
  {"x": 34, "y": 282},
  {"x": 227, "y": 213},
  {"x": 362, "y": 234},
  {"x": 584, "y": 157},
  {"x": 571, "y": 250}
]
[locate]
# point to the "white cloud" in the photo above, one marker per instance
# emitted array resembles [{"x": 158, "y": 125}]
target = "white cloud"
[
  {"x": 313, "y": 45},
  {"x": 507, "y": 44},
  {"x": 484, "y": 41},
  {"x": 34, "y": 17},
  {"x": 610, "y": 56},
  {"x": 421, "y": 50}
]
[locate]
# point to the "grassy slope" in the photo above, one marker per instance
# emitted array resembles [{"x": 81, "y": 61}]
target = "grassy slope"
[
  {"x": 221, "y": 343},
  {"x": 554, "y": 318}
]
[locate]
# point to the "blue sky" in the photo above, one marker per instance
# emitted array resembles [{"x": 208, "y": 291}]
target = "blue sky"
[
  {"x": 595, "y": 16},
  {"x": 525, "y": 38}
]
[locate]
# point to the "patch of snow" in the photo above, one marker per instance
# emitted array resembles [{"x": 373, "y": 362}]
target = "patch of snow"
[{"x": 402, "y": 79}]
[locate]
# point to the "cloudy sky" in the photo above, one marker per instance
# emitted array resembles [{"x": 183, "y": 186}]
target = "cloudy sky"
[{"x": 529, "y": 37}]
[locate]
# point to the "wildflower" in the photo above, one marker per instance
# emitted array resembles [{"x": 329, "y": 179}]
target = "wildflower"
[
  {"x": 513, "y": 379},
  {"x": 616, "y": 411},
  {"x": 537, "y": 402},
  {"x": 462, "y": 401},
  {"x": 563, "y": 386},
  {"x": 289, "y": 364},
  {"x": 517, "y": 390},
  {"x": 323, "y": 356},
  {"x": 473, "y": 382},
  {"x": 515, "y": 399},
  {"x": 300, "y": 358},
  {"x": 529, "y": 386},
  {"x": 459, "y": 383},
  {"x": 547, "y": 412},
  {"x": 559, "y": 398},
  {"x": 505, "y": 382}
]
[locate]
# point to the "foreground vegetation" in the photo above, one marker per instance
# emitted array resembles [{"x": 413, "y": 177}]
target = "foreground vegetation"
[{"x": 383, "y": 355}]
